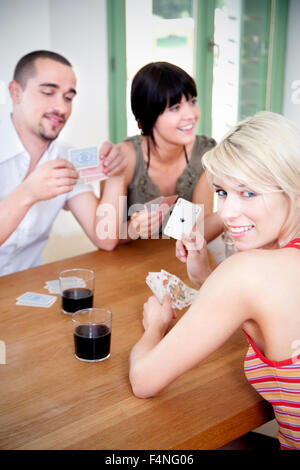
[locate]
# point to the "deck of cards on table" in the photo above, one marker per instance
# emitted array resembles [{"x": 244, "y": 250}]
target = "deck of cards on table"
[
  {"x": 162, "y": 283},
  {"x": 86, "y": 162},
  {"x": 34, "y": 299},
  {"x": 183, "y": 218}
]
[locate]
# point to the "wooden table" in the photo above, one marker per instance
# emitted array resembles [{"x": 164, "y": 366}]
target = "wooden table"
[{"x": 51, "y": 400}]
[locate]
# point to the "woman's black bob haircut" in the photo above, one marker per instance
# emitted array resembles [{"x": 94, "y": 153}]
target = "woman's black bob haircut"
[{"x": 155, "y": 87}]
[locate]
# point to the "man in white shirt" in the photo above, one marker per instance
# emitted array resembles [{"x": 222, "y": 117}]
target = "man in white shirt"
[{"x": 36, "y": 179}]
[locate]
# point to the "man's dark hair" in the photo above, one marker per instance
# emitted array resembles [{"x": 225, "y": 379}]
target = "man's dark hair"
[
  {"x": 25, "y": 67},
  {"x": 156, "y": 86}
]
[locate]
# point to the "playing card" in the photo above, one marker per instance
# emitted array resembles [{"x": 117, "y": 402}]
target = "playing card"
[
  {"x": 181, "y": 295},
  {"x": 182, "y": 219},
  {"x": 34, "y": 299},
  {"x": 92, "y": 171},
  {"x": 84, "y": 158},
  {"x": 95, "y": 177},
  {"x": 52, "y": 286},
  {"x": 72, "y": 281},
  {"x": 152, "y": 206},
  {"x": 163, "y": 282},
  {"x": 156, "y": 288},
  {"x": 29, "y": 304},
  {"x": 168, "y": 200},
  {"x": 162, "y": 202}
]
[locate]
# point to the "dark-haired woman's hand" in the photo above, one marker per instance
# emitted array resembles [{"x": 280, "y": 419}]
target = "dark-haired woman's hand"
[
  {"x": 146, "y": 224},
  {"x": 114, "y": 161}
]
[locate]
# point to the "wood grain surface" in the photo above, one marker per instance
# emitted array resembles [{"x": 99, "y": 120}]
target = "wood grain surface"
[{"x": 51, "y": 400}]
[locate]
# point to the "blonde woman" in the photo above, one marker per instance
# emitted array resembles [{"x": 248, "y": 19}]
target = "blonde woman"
[{"x": 255, "y": 172}]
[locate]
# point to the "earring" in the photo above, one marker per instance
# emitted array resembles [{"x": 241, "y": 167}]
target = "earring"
[{"x": 140, "y": 127}]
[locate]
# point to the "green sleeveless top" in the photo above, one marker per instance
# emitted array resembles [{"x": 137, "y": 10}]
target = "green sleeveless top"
[{"x": 142, "y": 189}]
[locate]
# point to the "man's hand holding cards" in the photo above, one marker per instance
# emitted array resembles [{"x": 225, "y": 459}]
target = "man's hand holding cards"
[
  {"x": 97, "y": 166},
  {"x": 162, "y": 283},
  {"x": 86, "y": 161}
]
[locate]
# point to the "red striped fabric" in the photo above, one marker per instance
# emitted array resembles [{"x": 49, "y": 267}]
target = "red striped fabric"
[{"x": 279, "y": 384}]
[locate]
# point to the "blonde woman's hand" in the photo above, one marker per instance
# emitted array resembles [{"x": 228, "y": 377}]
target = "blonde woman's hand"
[
  {"x": 192, "y": 250},
  {"x": 158, "y": 316}
]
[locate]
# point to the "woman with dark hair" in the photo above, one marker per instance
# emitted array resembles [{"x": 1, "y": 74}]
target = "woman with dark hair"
[{"x": 164, "y": 160}]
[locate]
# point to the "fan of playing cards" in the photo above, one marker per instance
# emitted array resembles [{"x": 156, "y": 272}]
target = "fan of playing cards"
[
  {"x": 162, "y": 283},
  {"x": 86, "y": 162}
]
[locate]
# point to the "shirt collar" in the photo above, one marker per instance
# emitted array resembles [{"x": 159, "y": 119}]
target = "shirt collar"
[{"x": 11, "y": 144}]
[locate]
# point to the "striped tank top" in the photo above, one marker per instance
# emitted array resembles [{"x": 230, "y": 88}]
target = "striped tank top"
[{"x": 279, "y": 384}]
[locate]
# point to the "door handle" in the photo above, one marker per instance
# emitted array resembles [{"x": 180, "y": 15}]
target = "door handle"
[{"x": 214, "y": 47}]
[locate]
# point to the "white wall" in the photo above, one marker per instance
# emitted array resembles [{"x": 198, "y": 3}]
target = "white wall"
[
  {"x": 24, "y": 27},
  {"x": 75, "y": 29},
  {"x": 291, "y": 108},
  {"x": 78, "y": 31}
]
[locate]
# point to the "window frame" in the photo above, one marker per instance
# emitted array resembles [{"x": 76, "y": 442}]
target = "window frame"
[{"x": 204, "y": 45}]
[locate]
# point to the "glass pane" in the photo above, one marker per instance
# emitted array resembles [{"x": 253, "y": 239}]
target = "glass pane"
[
  {"x": 241, "y": 61},
  {"x": 158, "y": 30},
  {"x": 254, "y": 57}
]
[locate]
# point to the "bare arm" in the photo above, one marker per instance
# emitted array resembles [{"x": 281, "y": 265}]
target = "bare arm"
[
  {"x": 102, "y": 219},
  {"x": 159, "y": 358},
  {"x": 111, "y": 228},
  {"x": 203, "y": 194},
  {"x": 12, "y": 211},
  {"x": 45, "y": 182}
]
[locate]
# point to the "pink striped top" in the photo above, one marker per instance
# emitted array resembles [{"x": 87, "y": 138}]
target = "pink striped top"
[{"x": 279, "y": 384}]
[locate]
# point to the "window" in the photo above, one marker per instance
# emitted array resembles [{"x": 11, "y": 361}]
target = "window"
[{"x": 235, "y": 50}]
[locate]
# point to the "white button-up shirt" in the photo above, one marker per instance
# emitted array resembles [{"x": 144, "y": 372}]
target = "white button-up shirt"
[{"x": 23, "y": 249}]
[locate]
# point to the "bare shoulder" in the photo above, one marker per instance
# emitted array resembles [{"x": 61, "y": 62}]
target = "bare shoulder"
[
  {"x": 260, "y": 260},
  {"x": 260, "y": 270},
  {"x": 127, "y": 149}
]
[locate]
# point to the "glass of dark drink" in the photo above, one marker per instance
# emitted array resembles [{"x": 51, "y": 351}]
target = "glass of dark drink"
[
  {"x": 92, "y": 333},
  {"x": 76, "y": 289}
]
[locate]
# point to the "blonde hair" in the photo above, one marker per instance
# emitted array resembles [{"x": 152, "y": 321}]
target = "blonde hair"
[{"x": 263, "y": 153}]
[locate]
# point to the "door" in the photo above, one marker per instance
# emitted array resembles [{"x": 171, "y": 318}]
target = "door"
[
  {"x": 159, "y": 30},
  {"x": 235, "y": 50},
  {"x": 249, "y": 63}
]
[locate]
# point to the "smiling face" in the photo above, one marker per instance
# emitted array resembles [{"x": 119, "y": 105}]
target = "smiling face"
[
  {"x": 43, "y": 107},
  {"x": 254, "y": 220},
  {"x": 177, "y": 124}
]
